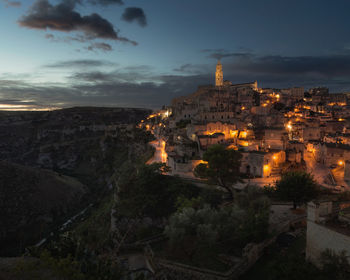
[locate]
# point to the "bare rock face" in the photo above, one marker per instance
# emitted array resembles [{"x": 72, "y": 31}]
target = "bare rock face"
[{"x": 31, "y": 200}]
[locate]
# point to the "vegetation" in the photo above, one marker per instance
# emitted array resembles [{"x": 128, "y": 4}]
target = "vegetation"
[
  {"x": 290, "y": 264},
  {"x": 195, "y": 231},
  {"x": 67, "y": 258},
  {"x": 83, "y": 253},
  {"x": 296, "y": 186},
  {"x": 336, "y": 266},
  {"x": 95, "y": 230},
  {"x": 147, "y": 192},
  {"x": 221, "y": 167}
]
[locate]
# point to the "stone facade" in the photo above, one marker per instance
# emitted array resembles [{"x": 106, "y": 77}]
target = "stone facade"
[{"x": 323, "y": 234}]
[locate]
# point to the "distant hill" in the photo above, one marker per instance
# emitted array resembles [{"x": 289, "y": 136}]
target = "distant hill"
[{"x": 31, "y": 199}]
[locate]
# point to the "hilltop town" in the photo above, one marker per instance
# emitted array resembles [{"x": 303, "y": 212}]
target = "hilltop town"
[{"x": 275, "y": 130}]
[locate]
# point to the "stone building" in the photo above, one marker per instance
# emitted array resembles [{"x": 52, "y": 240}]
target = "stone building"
[
  {"x": 328, "y": 227},
  {"x": 262, "y": 164}
]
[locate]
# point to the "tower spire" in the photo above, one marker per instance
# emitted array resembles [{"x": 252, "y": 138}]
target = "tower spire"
[{"x": 219, "y": 76}]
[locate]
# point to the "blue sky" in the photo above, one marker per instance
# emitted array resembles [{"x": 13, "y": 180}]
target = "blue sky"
[{"x": 279, "y": 43}]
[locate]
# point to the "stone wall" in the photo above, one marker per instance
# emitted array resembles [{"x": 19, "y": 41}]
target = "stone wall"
[{"x": 320, "y": 238}]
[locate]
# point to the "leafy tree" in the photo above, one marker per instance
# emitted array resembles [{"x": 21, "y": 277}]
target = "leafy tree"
[
  {"x": 191, "y": 230},
  {"x": 221, "y": 167},
  {"x": 147, "y": 192},
  {"x": 296, "y": 186}
]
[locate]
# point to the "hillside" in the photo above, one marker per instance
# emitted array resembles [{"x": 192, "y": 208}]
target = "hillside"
[{"x": 31, "y": 200}]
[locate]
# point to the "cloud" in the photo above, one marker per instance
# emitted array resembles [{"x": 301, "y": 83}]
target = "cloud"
[
  {"x": 49, "y": 36},
  {"x": 106, "y": 2},
  {"x": 135, "y": 14},
  {"x": 82, "y": 63},
  {"x": 192, "y": 69},
  {"x": 330, "y": 66},
  {"x": 222, "y": 53},
  {"x": 9, "y": 3},
  {"x": 62, "y": 17},
  {"x": 132, "y": 87},
  {"x": 100, "y": 46},
  {"x": 141, "y": 86}
]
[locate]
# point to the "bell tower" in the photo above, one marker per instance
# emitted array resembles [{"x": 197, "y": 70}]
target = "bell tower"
[{"x": 219, "y": 76}]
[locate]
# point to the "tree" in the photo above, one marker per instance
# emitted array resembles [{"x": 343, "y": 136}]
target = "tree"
[
  {"x": 297, "y": 186},
  {"x": 193, "y": 231},
  {"x": 147, "y": 192},
  {"x": 221, "y": 167}
]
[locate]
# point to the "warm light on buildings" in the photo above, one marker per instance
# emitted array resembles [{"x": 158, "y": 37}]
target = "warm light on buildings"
[
  {"x": 245, "y": 143},
  {"x": 266, "y": 167},
  {"x": 340, "y": 163},
  {"x": 243, "y": 134},
  {"x": 234, "y": 133},
  {"x": 232, "y": 147},
  {"x": 275, "y": 157}
]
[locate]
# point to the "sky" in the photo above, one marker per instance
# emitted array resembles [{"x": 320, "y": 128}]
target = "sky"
[{"x": 143, "y": 53}]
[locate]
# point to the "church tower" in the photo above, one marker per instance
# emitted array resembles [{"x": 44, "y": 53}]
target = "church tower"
[{"x": 219, "y": 76}]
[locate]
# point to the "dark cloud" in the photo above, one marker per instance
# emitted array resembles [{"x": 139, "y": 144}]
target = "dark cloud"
[
  {"x": 100, "y": 46},
  {"x": 49, "y": 36},
  {"x": 139, "y": 86},
  {"x": 67, "y": 39},
  {"x": 63, "y": 17},
  {"x": 135, "y": 14},
  {"x": 106, "y": 2},
  {"x": 83, "y": 63},
  {"x": 16, "y": 102},
  {"x": 15, "y": 4},
  {"x": 222, "y": 53},
  {"x": 191, "y": 69},
  {"x": 96, "y": 88},
  {"x": 316, "y": 66},
  {"x": 94, "y": 77}
]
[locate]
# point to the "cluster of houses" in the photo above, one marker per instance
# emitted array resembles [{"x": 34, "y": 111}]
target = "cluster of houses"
[{"x": 272, "y": 128}]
